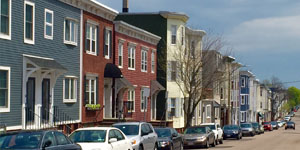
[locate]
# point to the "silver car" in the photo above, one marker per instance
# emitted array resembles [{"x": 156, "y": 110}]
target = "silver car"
[
  {"x": 199, "y": 136},
  {"x": 141, "y": 134},
  {"x": 247, "y": 129}
]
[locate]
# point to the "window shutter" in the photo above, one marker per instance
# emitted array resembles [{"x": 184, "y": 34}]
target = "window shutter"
[
  {"x": 97, "y": 90},
  {"x": 110, "y": 44},
  {"x": 177, "y": 109},
  {"x": 86, "y": 99},
  {"x": 104, "y": 40},
  {"x": 169, "y": 71},
  {"x": 85, "y": 37},
  {"x": 97, "y": 40}
]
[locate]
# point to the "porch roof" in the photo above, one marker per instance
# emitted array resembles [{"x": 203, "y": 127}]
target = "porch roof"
[
  {"x": 46, "y": 63},
  {"x": 112, "y": 71}
]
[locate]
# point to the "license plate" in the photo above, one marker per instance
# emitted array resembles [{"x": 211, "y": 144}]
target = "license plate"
[
  {"x": 228, "y": 135},
  {"x": 190, "y": 143}
]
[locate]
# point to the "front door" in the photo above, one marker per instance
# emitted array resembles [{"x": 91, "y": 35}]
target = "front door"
[
  {"x": 30, "y": 101},
  {"x": 45, "y": 100}
]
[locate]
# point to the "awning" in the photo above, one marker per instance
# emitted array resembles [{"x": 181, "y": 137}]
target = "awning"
[
  {"x": 156, "y": 87},
  {"x": 216, "y": 104},
  {"x": 260, "y": 115},
  {"x": 46, "y": 64},
  {"x": 112, "y": 71},
  {"x": 123, "y": 83}
]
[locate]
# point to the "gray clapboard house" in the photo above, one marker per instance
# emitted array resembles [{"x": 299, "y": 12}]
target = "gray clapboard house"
[{"x": 39, "y": 64}]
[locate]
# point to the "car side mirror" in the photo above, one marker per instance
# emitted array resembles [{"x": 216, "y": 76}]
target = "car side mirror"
[
  {"x": 174, "y": 135},
  {"x": 47, "y": 144},
  {"x": 144, "y": 133},
  {"x": 112, "y": 140}
]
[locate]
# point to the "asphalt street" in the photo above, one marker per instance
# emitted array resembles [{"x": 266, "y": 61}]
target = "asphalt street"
[{"x": 275, "y": 140}]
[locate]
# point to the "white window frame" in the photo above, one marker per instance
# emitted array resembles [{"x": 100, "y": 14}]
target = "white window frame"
[
  {"x": 153, "y": 61},
  {"x": 90, "y": 89},
  {"x": 144, "y": 60},
  {"x": 7, "y": 36},
  {"x": 48, "y": 24},
  {"x": 131, "y": 98},
  {"x": 89, "y": 51},
  {"x": 7, "y": 109},
  {"x": 243, "y": 99},
  {"x": 243, "y": 116},
  {"x": 173, "y": 34},
  {"x": 120, "y": 54},
  {"x": 173, "y": 107},
  {"x": 29, "y": 41},
  {"x": 243, "y": 82},
  {"x": 69, "y": 100},
  {"x": 69, "y": 42},
  {"x": 208, "y": 113},
  {"x": 108, "y": 42},
  {"x": 144, "y": 100},
  {"x": 131, "y": 56}
]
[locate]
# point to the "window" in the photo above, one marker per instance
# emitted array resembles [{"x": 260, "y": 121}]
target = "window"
[
  {"x": 120, "y": 54},
  {"x": 143, "y": 100},
  {"x": 182, "y": 109},
  {"x": 91, "y": 38},
  {"x": 153, "y": 62},
  {"x": 5, "y": 19},
  {"x": 243, "y": 116},
  {"x": 261, "y": 105},
  {"x": 174, "y": 33},
  {"x": 173, "y": 106},
  {"x": 232, "y": 85},
  {"x": 70, "y": 92},
  {"x": 131, "y": 58},
  {"x": 243, "y": 82},
  {"x": 192, "y": 48},
  {"x": 48, "y": 24},
  {"x": 182, "y": 35},
  {"x": 144, "y": 61},
  {"x": 221, "y": 93},
  {"x": 29, "y": 18},
  {"x": 61, "y": 139},
  {"x": 243, "y": 99},
  {"x": 131, "y": 101},
  {"x": 49, "y": 137},
  {"x": 261, "y": 92},
  {"x": 4, "y": 89},
  {"x": 107, "y": 43},
  {"x": 90, "y": 90},
  {"x": 208, "y": 111},
  {"x": 71, "y": 28},
  {"x": 173, "y": 70},
  {"x": 216, "y": 112},
  {"x": 119, "y": 135}
]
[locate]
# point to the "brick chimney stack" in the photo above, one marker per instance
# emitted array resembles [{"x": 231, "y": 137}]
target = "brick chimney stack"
[{"x": 125, "y": 6}]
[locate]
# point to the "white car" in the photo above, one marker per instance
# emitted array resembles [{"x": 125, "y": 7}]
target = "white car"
[
  {"x": 215, "y": 127},
  {"x": 287, "y": 118},
  {"x": 101, "y": 138}
]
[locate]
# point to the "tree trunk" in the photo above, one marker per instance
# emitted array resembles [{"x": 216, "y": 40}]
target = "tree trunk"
[{"x": 189, "y": 119}]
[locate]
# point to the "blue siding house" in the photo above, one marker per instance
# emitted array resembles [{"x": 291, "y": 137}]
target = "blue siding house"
[
  {"x": 39, "y": 64},
  {"x": 244, "y": 95}
]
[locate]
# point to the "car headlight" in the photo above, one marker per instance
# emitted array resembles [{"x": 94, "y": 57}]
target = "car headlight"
[
  {"x": 164, "y": 143},
  {"x": 250, "y": 129},
  {"x": 133, "y": 142},
  {"x": 235, "y": 132},
  {"x": 202, "y": 138}
]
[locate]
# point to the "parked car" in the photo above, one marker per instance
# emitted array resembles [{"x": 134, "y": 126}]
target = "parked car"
[
  {"x": 199, "y": 136},
  {"x": 247, "y": 129},
  {"x": 274, "y": 125},
  {"x": 141, "y": 134},
  {"x": 97, "y": 138},
  {"x": 261, "y": 129},
  {"x": 36, "y": 140},
  {"x": 280, "y": 124},
  {"x": 232, "y": 131},
  {"x": 215, "y": 127},
  {"x": 169, "y": 139},
  {"x": 268, "y": 126},
  {"x": 290, "y": 125},
  {"x": 255, "y": 126}
]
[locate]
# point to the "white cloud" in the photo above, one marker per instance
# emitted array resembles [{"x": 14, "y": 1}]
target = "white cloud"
[{"x": 269, "y": 34}]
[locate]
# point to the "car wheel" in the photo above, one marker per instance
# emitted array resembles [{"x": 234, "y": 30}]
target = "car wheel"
[
  {"x": 214, "y": 143},
  {"x": 221, "y": 141},
  {"x": 141, "y": 147},
  {"x": 155, "y": 147},
  {"x": 181, "y": 146},
  {"x": 207, "y": 144},
  {"x": 217, "y": 141}
]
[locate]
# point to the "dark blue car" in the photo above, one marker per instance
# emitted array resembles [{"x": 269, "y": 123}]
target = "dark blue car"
[
  {"x": 168, "y": 139},
  {"x": 232, "y": 131}
]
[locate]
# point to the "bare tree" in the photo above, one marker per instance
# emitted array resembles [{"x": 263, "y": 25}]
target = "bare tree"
[{"x": 190, "y": 59}]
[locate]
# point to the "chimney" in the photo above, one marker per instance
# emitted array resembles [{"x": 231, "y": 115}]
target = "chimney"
[{"x": 125, "y": 6}]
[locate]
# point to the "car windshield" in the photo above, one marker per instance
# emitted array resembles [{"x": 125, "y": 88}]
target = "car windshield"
[
  {"x": 231, "y": 127},
  {"x": 212, "y": 127},
  {"x": 290, "y": 122},
  {"x": 88, "y": 136},
  {"x": 266, "y": 123},
  {"x": 195, "y": 130},
  {"x": 128, "y": 129},
  {"x": 26, "y": 140},
  {"x": 246, "y": 125},
  {"x": 163, "y": 132},
  {"x": 255, "y": 124},
  {"x": 273, "y": 122}
]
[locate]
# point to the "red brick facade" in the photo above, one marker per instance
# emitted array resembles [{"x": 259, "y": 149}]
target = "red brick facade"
[
  {"x": 136, "y": 77},
  {"x": 95, "y": 64}
]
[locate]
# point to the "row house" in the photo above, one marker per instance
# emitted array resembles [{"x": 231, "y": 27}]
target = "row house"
[
  {"x": 245, "y": 77},
  {"x": 254, "y": 83},
  {"x": 136, "y": 56},
  {"x": 170, "y": 26},
  {"x": 235, "y": 93},
  {"x": 263, "y": 104},
  {"x": 39, "y": 64}
]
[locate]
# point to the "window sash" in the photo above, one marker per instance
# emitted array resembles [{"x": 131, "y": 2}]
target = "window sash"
[
  {"x": 4, "y": 17},
  {"x": 91, "y": 90},
  {"x": 48, "y": 24},
  {"x": 131, "y": 100},
  {"x": 107, "y": 43},
  {"x": 152, "y": 62},
  {"x": 131, "y": 58},
  {"x": 4, "y": 80},
  {"x": 71, "y": 31},
  {"x": 174, "y": 33},
  {"x": 70, "y": 88},
  {"x": 144, "y": 61},
  {"x": 91, "y": 36},
  {"x": 29, "y": 10},
  {"x": 120, "y": 54}
]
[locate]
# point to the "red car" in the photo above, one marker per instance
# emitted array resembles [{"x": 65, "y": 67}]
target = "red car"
[{"x": 267, "y": 126}]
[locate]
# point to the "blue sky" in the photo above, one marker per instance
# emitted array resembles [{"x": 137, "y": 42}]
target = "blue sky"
[{"x": 264, "y": 34}]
